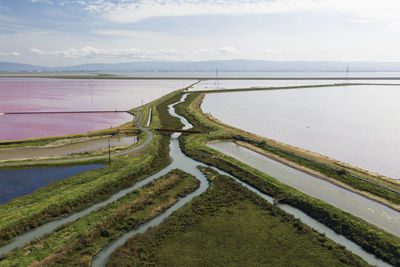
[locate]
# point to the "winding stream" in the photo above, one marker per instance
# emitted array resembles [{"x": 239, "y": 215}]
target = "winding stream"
[{"x": 179, "y": 160}]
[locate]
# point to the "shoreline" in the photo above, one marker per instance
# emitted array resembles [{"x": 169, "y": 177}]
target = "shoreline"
[
  {"x": 316, "y": 157},
  {"x": 94, "y": 75},
  {"x": 374, "y": 177},
  {"x": 307, "y": 153},
  {"x": 316, "y": 174},
  {"x": 341, "y": 222}
]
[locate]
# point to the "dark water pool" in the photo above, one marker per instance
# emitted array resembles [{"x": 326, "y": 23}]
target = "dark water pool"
[{"x": 15, "y": 183}]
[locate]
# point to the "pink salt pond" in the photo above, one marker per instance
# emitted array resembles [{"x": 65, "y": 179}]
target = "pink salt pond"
[{"x": 41, "y": 94}]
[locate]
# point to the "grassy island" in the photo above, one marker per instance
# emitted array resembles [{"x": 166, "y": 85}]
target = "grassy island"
[
  {"x": 384, "y": 245},
  {"x": 231, "y": 226},
  {"x": 76, "y": 243}
]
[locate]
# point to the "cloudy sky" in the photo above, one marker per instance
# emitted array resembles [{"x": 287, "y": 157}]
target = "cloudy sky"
[{"x": 61, "y": 32}]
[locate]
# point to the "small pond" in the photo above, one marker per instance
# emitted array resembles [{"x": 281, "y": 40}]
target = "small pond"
[{"x": 16, "y": 183}]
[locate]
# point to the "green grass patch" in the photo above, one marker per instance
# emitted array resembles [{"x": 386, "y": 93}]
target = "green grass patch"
[
  {"x": 65, "y": 197},
  {"x": 338, "y": 174},
  {"x": 76, "y": 243},
  {"x": 78, "y": 192},
  {"x": 168, "y": 121},
  {"x": 46, "y": 140},
  {"x": 375, "y": 240},
  {"x": 230, "y": 226}
]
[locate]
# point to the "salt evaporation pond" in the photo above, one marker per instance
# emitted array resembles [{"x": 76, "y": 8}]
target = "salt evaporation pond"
[
  {"x": 259, "y": 83},
  {"x": 47, "y": 94},
  {"x": 356, "y": 124},
  {"x": 16, "y": 183},
  {"x": 258, "y": 74}
]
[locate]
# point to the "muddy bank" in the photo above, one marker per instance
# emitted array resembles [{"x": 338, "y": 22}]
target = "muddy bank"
[{"x": 86, "y": 146}]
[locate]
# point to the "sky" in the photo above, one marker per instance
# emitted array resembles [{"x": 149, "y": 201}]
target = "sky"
[{"x": 61, "y": 32}]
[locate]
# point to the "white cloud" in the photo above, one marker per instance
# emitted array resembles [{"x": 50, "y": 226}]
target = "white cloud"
[
  {"x": 101, "y": 52},
  {"x": 37, "y": 51},
  {"x": 42, "y": 1},
  {"x": 204, "y": 50},
  {"x": 133, "y": 11},
  {"x": 92, "y": 52},
  {"x": 134, "y": 34},
  {"x": 136, "y": 53},
  {"x": 228, "y": 50},
  {"x": 125, "y": 33},
  {"x": 126, "y": 11},
  {"x": 13, "y": 54},
  {"x": 276, "y": 51}
]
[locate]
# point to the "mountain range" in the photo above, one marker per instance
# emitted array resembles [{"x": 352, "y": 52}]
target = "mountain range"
[{"x": 205, "y": 66}]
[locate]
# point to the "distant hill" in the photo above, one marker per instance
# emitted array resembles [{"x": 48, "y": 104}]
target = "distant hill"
[
  {"x": 222, "y": 65},
  {"x": 16, "y": 67}
]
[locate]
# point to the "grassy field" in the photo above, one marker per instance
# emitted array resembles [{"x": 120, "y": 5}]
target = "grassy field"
[
  {"x": 126, "y": 127},
  {"x": 84, "y": 158},
  {"x": 230, "y": 226},
  {"x": 240, "y": 227},
  {"x": 77, "y": 242},
  {"x": 78, "y": 192},
  {"x": 373, "y": 239}
]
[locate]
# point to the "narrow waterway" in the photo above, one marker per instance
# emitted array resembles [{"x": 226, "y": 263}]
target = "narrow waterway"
[
  {"x": 316, "y": 225},
  {"x": 371, "y": 211},
  {"x": 68, "y": 149},
  {"x": 357, "y": 125},
  {"x": 180, "y": 161},
  {"x": 150, "y": 115},
  {"x": 188, "y": 165}
]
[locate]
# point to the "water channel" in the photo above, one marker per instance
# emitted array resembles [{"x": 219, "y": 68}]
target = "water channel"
[
  {"x": 357, "y": 124},
  {"x": 371, "y": 211},
  {"x": 180, "y": 161},
  {"x": 68, "y": 149},
  {"x": 188, "y": 165}
]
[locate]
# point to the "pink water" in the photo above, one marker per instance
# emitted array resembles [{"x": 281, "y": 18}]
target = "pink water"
[{"x": 41, "y": 94}]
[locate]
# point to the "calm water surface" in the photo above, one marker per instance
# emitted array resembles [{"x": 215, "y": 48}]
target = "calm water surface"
[
  {"x": 232, "y": 84},
  {"x": 41, "y": 94},
  {"x": 188, "y": 165},
  {"x": 16, "y": 183},
  {"x": 355, "y": 124},
  {"x": 68, "y": 149},
  {"x": 259, "y": 74},
  {"x": 369, "y": 210}
]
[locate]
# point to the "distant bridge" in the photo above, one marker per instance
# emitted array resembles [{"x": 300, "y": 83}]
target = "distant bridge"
[{"x": 170, "y": 130}]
